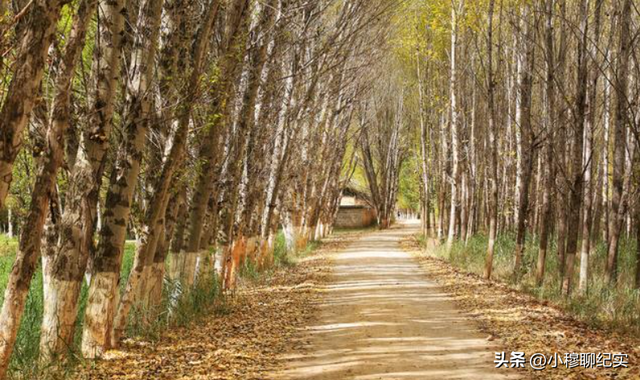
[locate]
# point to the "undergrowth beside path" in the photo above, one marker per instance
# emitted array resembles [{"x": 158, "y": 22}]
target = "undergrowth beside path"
[
  {"x": 242, "y": 337},
  {"x": 24, "y": 361},
  {"x": 602, "y": 306},
  {"x": 526, "y": 324}
]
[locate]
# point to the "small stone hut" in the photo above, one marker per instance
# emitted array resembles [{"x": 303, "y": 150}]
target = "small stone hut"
[{"x": 355, "y": 210}]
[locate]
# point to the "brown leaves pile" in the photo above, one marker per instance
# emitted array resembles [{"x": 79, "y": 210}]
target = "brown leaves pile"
[
  {"x": 521, "y": 322},
  {"x": 247, "y": 342}
]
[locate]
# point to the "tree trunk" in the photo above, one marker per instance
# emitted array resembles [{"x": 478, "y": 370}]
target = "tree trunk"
[
  {"x": 637, "y": 279},
  {"x": 525, "y": 145},
  {"x": 128, "y": 169},
  {"x": 234, "y": 45},
  {"x": 23, "y": 90},
  {"x": 106, "y": 68},
  {"x": 473, "y": 173},
  {"x": 424, "y": 153},
  {"x": 576, "y": 185},
  {"x": 616, "y": 209},
  {"x": 156, "y": 210},
  {"x": 454, "y": 128},
  {"x": 587, "y": 204},
  {"x": 549, "y": 172},
  {"x": 605, "y": 156},
  {"x": 61, "y": 297},
  {"x": 9, "y": 222},
  {"x": 561, "y": 146},
  {"x": 493, "y": 146},
  {"x": 154, "y": 278}
]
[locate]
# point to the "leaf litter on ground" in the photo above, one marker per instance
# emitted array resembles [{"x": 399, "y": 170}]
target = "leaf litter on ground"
[
  {"x": 522, "y": 323},
  {"x": 261, "y": 323}
]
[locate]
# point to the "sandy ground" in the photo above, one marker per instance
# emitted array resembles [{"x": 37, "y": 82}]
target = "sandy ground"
[{"x": 381, "y": 318}]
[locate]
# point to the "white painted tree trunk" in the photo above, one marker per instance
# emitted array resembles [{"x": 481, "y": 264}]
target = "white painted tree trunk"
[
  {"x": 62, "y": 287},
  {"x": 520, "y": 57},
  {"x": 454, "y": 130},
  {"x": 105, "y": 273},
  {"x": 137, "y": 126},
  {"x": 9, "y": 222},
  {"x": 32, "y": 230}
]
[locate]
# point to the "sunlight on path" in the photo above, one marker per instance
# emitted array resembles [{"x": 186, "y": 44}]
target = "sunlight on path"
[{"x": 380, "y": 318}]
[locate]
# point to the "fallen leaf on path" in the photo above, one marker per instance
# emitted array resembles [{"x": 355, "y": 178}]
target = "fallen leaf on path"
[
  {"x": 264, "y": 320},
  {"x": 524, "y": 323}
]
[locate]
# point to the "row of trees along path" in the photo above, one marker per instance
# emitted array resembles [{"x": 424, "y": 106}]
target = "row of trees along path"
[
  {"x": 191, "y": 123},
  {"x": 194, "y": 124},
  {"x": 529, "y": 127}
]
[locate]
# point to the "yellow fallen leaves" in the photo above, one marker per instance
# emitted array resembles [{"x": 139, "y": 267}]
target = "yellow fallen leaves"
[
  {"x": 246, "y": 342},
  {"x": 520, "y": 322}
]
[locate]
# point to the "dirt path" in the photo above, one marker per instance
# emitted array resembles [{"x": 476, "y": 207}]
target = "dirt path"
[{"x": 381, "y": 318}]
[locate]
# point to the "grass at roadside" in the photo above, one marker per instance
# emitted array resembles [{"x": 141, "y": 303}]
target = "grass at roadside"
[
  {"x": 179, "y": 307},
  {"x": 243, "y": 341},
  {"x": 523, "y": 322},
  {"x": 602, "y": 306},
  {"x": 26, "y": 349}
]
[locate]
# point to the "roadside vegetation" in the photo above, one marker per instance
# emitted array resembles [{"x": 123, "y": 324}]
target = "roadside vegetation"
[
  {"x": 603, "y": 306},
  {"x": 179, "y": 307}
]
